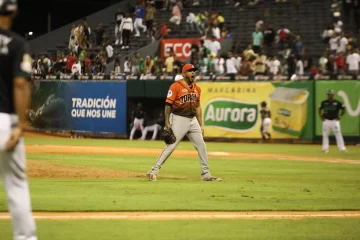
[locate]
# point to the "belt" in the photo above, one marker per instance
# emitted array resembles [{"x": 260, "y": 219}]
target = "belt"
[{"x": 184, "y": 116}]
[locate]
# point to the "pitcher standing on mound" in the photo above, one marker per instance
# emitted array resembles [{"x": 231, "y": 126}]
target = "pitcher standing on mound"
[
  {"x": 15, "y": 69},
  {"x": 183, "y": 115}
]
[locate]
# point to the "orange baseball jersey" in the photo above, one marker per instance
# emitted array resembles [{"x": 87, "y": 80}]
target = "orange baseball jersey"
[{"x": 184, "y": 100}]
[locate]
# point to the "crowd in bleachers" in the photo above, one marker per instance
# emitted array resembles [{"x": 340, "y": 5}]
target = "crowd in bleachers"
[{"x": 272, "y": 52}]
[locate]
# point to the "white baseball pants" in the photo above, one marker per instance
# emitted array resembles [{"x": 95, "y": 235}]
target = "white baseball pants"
[
  {"x": 137, "y": 123},
  {"x": 332, "y": 125},
  {"x": 13, "y": 174},
  {"x": 266, "y": 125},
  {"x": 138, "y": 24},
  {"x": 153, "y": 128}
]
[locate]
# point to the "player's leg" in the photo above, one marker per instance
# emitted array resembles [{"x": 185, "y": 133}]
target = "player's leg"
[
  {"x": 117, "y": 37},
  {"x": 267, "y": 125},
  {"x": 180, "y": 126},
  {"x": 144, "y": 132},
  {"x": 12, "y": 171},
  {"x": 338, "y": 136},
  {"x": 156, "y": 129},
  {"x": 136, "y": 26},
  {"x": 142, "y": 26},
  {"x": 325, "y": 137},
  {"x": 133, "y": 130}
]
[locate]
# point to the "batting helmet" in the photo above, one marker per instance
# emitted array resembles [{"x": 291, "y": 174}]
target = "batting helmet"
[
  {"x": 8, "y": 7},
  {"x": 331, "y": 92}
]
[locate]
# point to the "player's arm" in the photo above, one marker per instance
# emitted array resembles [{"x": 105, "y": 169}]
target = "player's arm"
[
  {"x": 167, "y": 115},
  {"x": 22, "y": 66},
  {"x": 198, "y": 114},
  {"x": 170, "y": 100}
]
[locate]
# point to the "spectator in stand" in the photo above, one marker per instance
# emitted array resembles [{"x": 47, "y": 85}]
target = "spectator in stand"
[
  {"x": 127, "y": 66},
  {"x": 298, "y": 47},
  {"x": 149, "y": 17},
  {"x": 126, "y": 28},
  {"x": 194, "y": 51},
  {"x": 203, "y": 50},
  {"x": 214, "y": 46},
  {"x": 307, "y": 60},
  {"x": 164, "y": 32},
  {"x": 259, "y": 24},
  {"x": 119, "y": 16},
  {"x": 352, "y": 62},
  {"x": 257, "y": 40},
  {"x": 314, "y": 71},
  {"x": 191, "y": 22},
  {"x": 238, "y": 60},
  {"x": 200, "y": 22},
  {"x": 334, "y": 44},
  {"x": 283, "y": 35},
  {"x": 215, "y": 32},
  {"x": 218, "y": 63},
  {"x": 76, "y": 67},
  {"x": 327, "y": 34},
  {"x": 299, "y": 66},
  {"x": 135, "y": 64},
  {"x": 117, "y": 69},
  {"x": 249, "y": 53},
  {"x": 71, "y": 59},
  {"x": 148, "y": 65},
  {"x": 138, "y": 23},
  {"x": 72, "y": 39},
  {"x": 220, "y": 20},
  {"x": 269, "y": 38},
  {"x": 204, "y": 66},
  {"x": 259, "y": 64},
  {"x": 109, "y": 51},
  {"x": 176, "y": 15},
  {"x": 274, "y": 66},
  {"x": 245, "y": 69},
  {"x": 226, "y": 33},
  {"x": 86, "y": 31},
  {"x": 322, "y": 63},
  {"x": 230, "y": 66},
  {"x": 99, "y": 34},
  {"x": 343, "y": 42},
  {"x": 340, "y": 63},
  {"x": 169, "y": 63},
  {"x": 87, "y": 65},
  {"x": 331, "y": 66}
]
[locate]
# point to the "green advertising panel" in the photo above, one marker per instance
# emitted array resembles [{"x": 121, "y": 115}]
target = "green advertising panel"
[{"x": 347, "y": 92}]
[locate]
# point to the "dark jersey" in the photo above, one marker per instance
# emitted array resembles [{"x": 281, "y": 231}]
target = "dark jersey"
[
  {"x": 119, "y": 16},
  {"x": 139, "y": 114},
  {"x": 331, "y": 109},
  {"x": 161, "y": 121},
  {"x": 265, "y": 113},
  {"x": 15, "y": 61}
]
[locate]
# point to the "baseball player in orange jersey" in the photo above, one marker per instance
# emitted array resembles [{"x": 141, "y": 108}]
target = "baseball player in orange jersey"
[{"x": 183, "y": 115}]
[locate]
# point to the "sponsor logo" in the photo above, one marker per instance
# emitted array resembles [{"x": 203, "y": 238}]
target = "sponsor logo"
[
  {"x": 191, "y": 97},
  {"x": 284, "y": 112},
  {"x": 181, "y": 50},
  {"x": 231, "y": 90},
  {"x": 169, "y": 93},
  {"x": 349, "y": 110},
  {"x": 231, "y": 114}
]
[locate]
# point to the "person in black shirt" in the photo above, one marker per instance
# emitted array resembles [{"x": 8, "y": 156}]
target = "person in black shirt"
[
  {"x": 269, "y": 38},
  {"x": 331, "y": 111},
  {"x": 265, "y": 115},
  {"x": 15, "y": 70},
  {"x": 155, "y": 127},
  {"x": 138, "y": 116}
]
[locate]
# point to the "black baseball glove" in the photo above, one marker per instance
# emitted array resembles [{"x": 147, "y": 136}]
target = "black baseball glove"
[{"x": 169, "y": 136}]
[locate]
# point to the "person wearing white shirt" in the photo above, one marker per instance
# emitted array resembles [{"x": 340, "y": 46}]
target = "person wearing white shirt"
[
  {"x": 334, "y": 45},
  {"x": 343, "y": 42},
  {"x": 191, "y": 22},
  {"x": 299, "y": 67},
  {"x": 216, "y": 32},
  {"x": 230, "y": 66},
  {"x": 238, "y": 60},
  {"x": 219, "y": 65},
  {"x": 126, "y": 28},
  {"x": 127, "y": 66},
  {"x": 352, "y": 62},
  {"x": 109, "y": 51},
  {"x": 214, "y": 46},
  {"x": 76, "y": 67},
  {"x": 274, "y": 66}
]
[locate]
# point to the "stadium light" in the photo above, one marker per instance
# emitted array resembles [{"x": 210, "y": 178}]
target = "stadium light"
[{"x": 30, "y": 33}]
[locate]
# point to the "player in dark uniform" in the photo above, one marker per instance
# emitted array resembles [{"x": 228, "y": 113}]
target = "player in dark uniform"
[
  {"x": 155, "y": 127},
  {"x": 265, "y": 121},
  {"x": 15, "y": 70},
  {"x": 138, "y": 116},
  {"x": 331, "y": 111}
]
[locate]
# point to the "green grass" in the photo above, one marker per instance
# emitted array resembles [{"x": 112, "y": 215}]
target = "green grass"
[
  {"x": 327, "y": 229},
  {"x": 248, "y": 185},
  {"x": 290, "y": 149}
]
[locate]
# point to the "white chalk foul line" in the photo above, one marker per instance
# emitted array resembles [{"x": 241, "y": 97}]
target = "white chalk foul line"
[{"x": 146, "y": 216}]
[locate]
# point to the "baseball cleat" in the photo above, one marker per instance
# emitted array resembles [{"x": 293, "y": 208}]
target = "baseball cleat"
[
  {"x": 210, "y": 179},
  {"x": 151, "y": 177}
]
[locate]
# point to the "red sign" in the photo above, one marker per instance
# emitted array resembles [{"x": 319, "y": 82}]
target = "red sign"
[{"x": 181, "y": 46}]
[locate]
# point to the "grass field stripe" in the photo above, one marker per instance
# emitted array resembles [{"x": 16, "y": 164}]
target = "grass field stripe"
[{"x": 187, "y": 216}]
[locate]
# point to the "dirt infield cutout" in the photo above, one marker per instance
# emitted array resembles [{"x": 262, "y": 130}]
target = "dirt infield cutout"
[
  {"x": 187, "y": 215},
  {"x": 47, "y": 149}
]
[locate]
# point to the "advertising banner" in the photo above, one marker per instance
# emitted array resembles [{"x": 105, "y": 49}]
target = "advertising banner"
[
  {"x": 231, "y": 110},
  {"x": 79, "y": 106},
  {"x": 347, "y": 92},
  {"x": 181, "y": 46}
]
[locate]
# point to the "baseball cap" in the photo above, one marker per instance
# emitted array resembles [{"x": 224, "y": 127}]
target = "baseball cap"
[
  {"x": 188, "y": 67},
  {"x": 8, "y": 7},
  {"x": 331, "y": 91}
]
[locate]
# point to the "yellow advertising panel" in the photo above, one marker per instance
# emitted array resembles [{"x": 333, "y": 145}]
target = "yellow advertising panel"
[{"x": 232, "y": 110}]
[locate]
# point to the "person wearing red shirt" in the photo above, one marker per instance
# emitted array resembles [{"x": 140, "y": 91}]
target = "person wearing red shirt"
[
  {"x": 71, "y": 59},
  {"x": 340, "y": 63}
]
